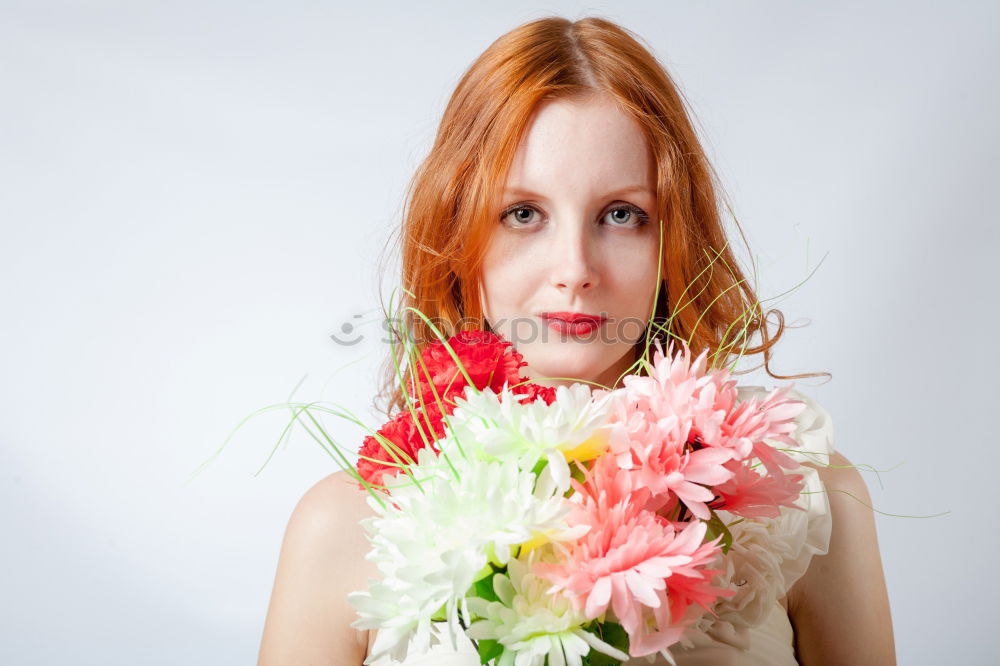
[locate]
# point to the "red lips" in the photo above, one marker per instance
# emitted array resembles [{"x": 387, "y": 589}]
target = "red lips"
[
  {"x": 575, "y": 324},
  {"x": 574, "y": 317}
]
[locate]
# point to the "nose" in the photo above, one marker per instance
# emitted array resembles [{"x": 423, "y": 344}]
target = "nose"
[{"x": 573, "y": 269}]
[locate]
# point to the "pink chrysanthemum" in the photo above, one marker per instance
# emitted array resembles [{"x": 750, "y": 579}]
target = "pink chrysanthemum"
[
  {"x": 752, "y": 421},
  {"x": 754, "y": 495},
  {"x": 646, "y": 569},
  {"x": 683, "y": 432}
]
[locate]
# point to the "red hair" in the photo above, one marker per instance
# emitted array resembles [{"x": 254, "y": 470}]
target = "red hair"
[{"x": 453, "y": 200}]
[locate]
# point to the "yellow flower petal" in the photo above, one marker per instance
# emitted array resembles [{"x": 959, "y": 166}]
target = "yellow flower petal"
[{"x": 594, "y": 446}]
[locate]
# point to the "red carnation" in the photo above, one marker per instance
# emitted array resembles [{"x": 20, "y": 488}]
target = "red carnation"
[
  {"x": 536, "y": 392},
  {"x": 488, "y": 359},
  {"x": 490, "y": 362},
  {"x": 404, "y": 434}
]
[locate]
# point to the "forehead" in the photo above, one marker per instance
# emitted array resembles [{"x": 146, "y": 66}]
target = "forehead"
[{"x": 589, "y": 145}]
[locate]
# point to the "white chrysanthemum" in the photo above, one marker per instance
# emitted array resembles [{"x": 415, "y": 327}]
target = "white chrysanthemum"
[
  {"x": 488, "y": 426},
  {"x": 532, "y": 624},
  {"x": 435, "y": 536}
]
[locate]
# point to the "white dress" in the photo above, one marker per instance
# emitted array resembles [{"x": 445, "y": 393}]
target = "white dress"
[{"x": 752, "y": 627}]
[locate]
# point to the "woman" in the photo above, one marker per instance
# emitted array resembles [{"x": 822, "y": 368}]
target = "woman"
[{"x": 564, "y": 176}]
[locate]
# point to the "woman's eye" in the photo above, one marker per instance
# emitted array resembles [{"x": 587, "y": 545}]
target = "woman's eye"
[
  {"x": 519, "y": 217},
  {"x": 626, "y": 216}
]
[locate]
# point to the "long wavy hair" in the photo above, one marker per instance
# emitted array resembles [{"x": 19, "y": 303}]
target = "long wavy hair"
[{"x": 451, "y": 204}]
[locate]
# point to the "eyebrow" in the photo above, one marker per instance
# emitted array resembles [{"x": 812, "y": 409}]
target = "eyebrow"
[{"x": 630, "y": 189}]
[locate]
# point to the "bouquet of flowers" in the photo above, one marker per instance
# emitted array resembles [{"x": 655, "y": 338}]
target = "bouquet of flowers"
[{"x": 564, "y": 525}]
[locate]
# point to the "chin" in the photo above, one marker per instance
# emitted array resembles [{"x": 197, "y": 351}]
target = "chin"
[{"x": 567, "y": 364}]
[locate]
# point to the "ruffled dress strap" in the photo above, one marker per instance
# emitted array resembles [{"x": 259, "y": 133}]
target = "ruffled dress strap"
[
  {"x": 814, "y": 438},
  {"x": 767, "y": 557}
]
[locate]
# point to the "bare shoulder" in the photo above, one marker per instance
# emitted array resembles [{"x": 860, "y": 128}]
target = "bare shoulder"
[
  {"x": 321, "y": 561},
  {"x": 852, "y": 519},
  {"x": 844, "y": 478},
  {"x": 332, "y": 503},
  {"x": 840, "y": 606}
]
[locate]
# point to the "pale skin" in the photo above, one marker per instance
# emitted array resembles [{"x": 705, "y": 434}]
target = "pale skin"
[{"x": 577, "y": 245}]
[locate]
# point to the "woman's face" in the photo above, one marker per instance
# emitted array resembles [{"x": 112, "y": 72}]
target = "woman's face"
[{"x": 575, "y": 236}]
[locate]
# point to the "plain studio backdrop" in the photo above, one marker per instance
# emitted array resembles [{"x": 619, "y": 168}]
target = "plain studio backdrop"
[{"x": 194, "y": 198}]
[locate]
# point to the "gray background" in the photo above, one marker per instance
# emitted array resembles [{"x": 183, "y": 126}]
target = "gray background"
[{"x": 194, "y": 196}]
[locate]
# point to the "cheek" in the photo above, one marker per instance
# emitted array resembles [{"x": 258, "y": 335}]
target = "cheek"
[
  {"x": 499, "y": 280},
  {"x": 509, "y": 272},
  {"x": 634, "y": 289},
  {"x": 634, "y": 265}
]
